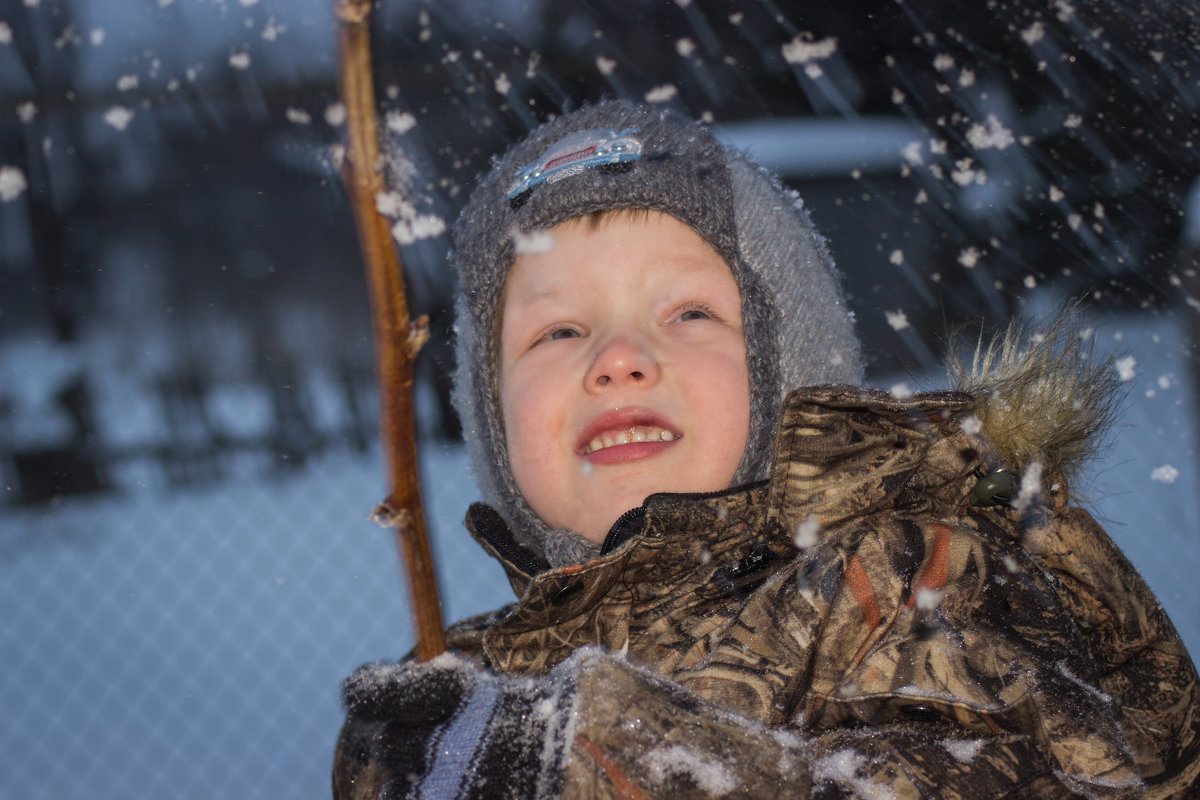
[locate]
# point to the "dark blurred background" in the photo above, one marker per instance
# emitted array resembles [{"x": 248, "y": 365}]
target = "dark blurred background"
[{"x": 187, "y": 407}]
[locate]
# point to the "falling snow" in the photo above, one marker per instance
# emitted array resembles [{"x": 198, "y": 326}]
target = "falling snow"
[
  {"x": 912, "y": 154},
  {"x": 1031, "y": 487},
  {"x": 969, "y": 257},
  {"x": 26, "y": 111},
  {"x": 971, "y": 425},
  {"x": 803, "y": 49},
  {"x": 990, "y": 133},
  {"x": 661, "y": 94},
  {"x": 1034, "y": 33},
  {"x": 503, "y": 84},
  {"x": 1125, "y": 367},
  {"x": 1164, "y": 474},
  {"x": 414, "y": 227},
  {"x": 605, "y": 65},
  {"x": 928, "y": 599},
  {"x": 127, "y": 83},
  {"x": 400, "y": 121},
  {"x": 541, "y": 241},
  {"x": 685, "y": 47},
  {"x": 897, "y": 319},
  {"x": 964, "y": 175},
  {"x": 335, "y": 114},
  {"x": 807, "y": 533},
  {"x": 298, "y": 116},
  {"x": 12, "y": 183},
  {"x": 272, "y": 30},
  {"x": 6, "y": 36},
  {"x": 240, "y": 60},
  {"x": 1066, "y": 11},
  {"x": 118, "y": 117}
]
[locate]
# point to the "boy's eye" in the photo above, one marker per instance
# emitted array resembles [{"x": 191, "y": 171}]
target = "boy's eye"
[
  {"x": 556, "y": 334},
  {"x": 696, "y": 312}
]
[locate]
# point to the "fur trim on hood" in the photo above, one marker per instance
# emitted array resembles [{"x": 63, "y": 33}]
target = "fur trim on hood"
[{"x": 1043, "y": 397}]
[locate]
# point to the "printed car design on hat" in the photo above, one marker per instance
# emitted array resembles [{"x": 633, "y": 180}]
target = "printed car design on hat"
[{"x": 573, "y": 154}]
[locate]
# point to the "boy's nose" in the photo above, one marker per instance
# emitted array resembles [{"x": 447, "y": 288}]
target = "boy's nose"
[{"x": 621, "y": 362}]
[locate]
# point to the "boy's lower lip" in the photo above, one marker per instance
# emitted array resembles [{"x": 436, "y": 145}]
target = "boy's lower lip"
[{"x": 623, "y": 453}]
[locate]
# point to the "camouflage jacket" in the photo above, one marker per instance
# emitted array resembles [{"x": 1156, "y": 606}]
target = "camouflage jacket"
[{"x": 856, "y": 626}]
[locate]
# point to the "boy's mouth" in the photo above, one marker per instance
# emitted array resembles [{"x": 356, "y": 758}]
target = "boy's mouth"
[
  {"x": 638, "y": 433},
  {"x": 629, "y": 433}
]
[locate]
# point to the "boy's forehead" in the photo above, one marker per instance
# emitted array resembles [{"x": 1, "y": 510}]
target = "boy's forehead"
[{"x": 589, "y": 242}]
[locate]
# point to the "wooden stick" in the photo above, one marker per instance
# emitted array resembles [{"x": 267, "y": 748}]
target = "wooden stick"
[{"x": 397, "y": 340}]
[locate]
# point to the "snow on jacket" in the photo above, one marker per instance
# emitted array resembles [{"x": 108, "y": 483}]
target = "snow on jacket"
[{"x": 856, "y": 626}]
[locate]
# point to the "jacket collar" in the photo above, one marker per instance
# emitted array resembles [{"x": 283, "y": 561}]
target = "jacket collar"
[{"x": 840, "y": 452}]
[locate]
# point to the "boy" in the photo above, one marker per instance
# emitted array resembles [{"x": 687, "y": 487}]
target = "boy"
[{"x": 727, "y": 589}]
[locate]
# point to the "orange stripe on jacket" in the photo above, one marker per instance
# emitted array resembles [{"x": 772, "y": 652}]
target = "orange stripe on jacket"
[
  {"x": 620, "y": 781},
  {"x": 863, "y": 591},
  {"x": 937, "y": 569}
]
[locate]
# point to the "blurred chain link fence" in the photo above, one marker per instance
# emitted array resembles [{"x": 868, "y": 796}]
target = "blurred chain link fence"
[{"x": 179, "y": 627}]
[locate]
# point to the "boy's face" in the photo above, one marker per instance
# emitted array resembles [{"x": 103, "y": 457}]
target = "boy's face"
[{"x": 622, "y": 370}]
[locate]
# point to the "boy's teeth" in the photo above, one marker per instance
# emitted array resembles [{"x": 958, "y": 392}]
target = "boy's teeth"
[{"x": 642, "y": 433}]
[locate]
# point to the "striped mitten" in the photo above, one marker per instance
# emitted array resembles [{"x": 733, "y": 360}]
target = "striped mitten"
[{"x": 446, "y": 729}]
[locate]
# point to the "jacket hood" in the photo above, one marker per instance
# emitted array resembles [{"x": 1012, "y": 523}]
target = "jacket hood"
[{"x": 1043, "y": 401}]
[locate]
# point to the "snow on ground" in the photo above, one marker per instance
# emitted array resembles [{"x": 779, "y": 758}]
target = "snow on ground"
[{"x": 190, "y": 644}]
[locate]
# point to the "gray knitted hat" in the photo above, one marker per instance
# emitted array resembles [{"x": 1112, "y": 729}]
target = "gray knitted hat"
[{"x": 624, "y": 155}]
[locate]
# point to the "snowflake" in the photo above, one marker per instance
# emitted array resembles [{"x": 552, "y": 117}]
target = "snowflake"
[
  {"x": 1164, "y": 474},
  {"x": 118, "y": 117},
  {"x": 802, "y": 49},
  {"x": 971, "y": 425},
  {"x": 535, "y": 242},
  {"x": 400, "y": 121},
  {"x": 661, "y": 94},
  {"x": 928, "y": 599},
  {"x": 990, "y": 133},
  {"x": 12, "y": 183},
  {"x": 240, "y": 60},
  {"x": 897, "y": 319},
  {"x": 1125, "y": 367},
  {"x": 605, "y": 65},
  {"x": 807, "y": 533},
  {"x": 335, "y": 114}
]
